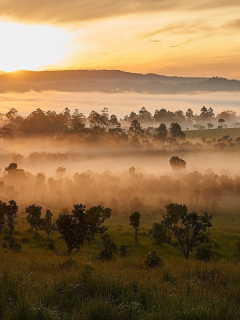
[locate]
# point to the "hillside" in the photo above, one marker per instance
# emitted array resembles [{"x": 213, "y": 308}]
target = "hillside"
[{"x": 110, "y": 81}]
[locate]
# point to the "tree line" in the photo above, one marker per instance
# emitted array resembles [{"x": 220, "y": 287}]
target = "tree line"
[
  {"x": 49, "y": 123},
  {"x": 179, "y": 229}
]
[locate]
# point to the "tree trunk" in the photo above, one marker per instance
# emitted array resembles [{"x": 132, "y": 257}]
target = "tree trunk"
[{"x": 136, "y": 234}]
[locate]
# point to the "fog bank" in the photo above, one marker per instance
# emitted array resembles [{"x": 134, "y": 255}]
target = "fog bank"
[{"x": 118, "y": 103}]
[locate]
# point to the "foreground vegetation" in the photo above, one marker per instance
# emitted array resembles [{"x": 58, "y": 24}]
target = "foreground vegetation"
[
  {"x": 115, "y": 268},
  {"x": 43, "y": 282}
]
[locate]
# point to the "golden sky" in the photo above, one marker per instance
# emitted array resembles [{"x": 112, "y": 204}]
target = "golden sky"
[{"x": 171, "y": 37}]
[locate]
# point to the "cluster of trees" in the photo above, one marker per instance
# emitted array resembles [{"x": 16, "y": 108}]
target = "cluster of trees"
[
  {"x": 134, "y": 126},
  {"x": 130, "y": 190},
  {"x": 182, "y": 230},
  {"x": 92, "y": 128}
]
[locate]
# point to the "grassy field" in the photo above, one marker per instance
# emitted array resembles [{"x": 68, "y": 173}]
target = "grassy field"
[
  {"x": 38, "y": 283},
  {"x": 212, "y": 133}
]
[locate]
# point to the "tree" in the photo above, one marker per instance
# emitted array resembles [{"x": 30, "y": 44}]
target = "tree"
[
  {"x": 135, "y": 128},
  {"x": 81, "y": 225},
  {"x": 221, "y": 121},
  {"x": 210, "y": 125},
  {"x": 182, "y": 230},
  {"x": 10, "y": 214},
  {"x": 113, "y": 122},
  {"x": 34, "y": 217},
  {"x": 6, "y": 134},
  {"x": 145, "y": 116},
  {"x": 108, "y": 248},
  {"x": 48, "y": 226},
  {"x": 60, "y": 172},
  {"x": 2, "y": 215},
  {"x": 206, "y": 114},
  {"x": 11, "y": 114},
  {"x": 161, "y": 132},
  {"x": 177, "y": 163},
  {"x": 189, "y": 115},
  {"x": 135, "y": 222},
  {"x": 176, "y": 131},
  {"x": 12, "y": 166},
  {"x": 98, "y": 122}
]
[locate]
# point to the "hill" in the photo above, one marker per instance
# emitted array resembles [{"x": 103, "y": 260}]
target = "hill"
[{"x": 110, "y": 81}]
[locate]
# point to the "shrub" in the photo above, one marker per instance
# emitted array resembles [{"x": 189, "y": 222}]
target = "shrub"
[
  {"x": 51, "y": 245},
  {"x": 153, "y": 260},
  {"x": 14, "y": 245},
  {"x": 67, "y": 264},
  {"x": 4, "y": 244},
  {"x": 204, "y": 253},
  {"x": 123, "y": 250},
  {"x": 108, "y": 248}
]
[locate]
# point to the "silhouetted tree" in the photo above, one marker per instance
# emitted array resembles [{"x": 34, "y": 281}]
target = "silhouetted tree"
[
  {"x": 145, "y": 116},
  {"x": 81, "y": 225},
  {"x": 132, "y": 170},
  {"x": 161, "y": 132},
  {"x": 11, "y": 114},
  {"x": 48, "y": 226},
  {"x": 34, "y": 217},
  {"x": 210, "y": 125},
  {"x": 108, "y": 248},
  {"x": 135, "y": 222},
  {"x": 2, "y": 215},
  {"x": 10, "y": 214},
  {"x": 60, "y": 172},
  {"x": 6, "y": 134},
  {"x": 135, "y": 128},
  {"x": 221, "y": 121},
  {"x": 182, "y": 230},
  {"x": 189, "y": 115},
  {"x": 12, "y": 166},
  {"x": 176, "y": 131},
  {"x": 177, "y": 163},
  {"x": 206, "y": 114}
]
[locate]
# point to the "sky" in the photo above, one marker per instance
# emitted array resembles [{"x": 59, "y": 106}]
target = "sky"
[{"x": 170, "y": 37}]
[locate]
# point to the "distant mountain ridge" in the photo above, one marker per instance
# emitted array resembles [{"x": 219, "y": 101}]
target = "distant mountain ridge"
[{"x": 110, "y": 81}]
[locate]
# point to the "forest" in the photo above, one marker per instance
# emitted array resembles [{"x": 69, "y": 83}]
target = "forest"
[{"x": 131, "y": 218}]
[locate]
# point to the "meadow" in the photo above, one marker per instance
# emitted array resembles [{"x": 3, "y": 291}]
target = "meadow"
[
  {"x": 40, "y": 283},
  {"x": 40, "y": 280}
]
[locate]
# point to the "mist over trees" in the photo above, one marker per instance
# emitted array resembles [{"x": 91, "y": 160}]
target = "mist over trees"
[{"x": 141, "y": 125}]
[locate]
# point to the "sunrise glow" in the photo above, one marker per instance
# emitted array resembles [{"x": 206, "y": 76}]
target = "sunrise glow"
[{"x": 30, "y": 47}]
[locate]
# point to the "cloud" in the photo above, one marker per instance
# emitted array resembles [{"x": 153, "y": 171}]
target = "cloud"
[
  {"x": 235, "y": 24},
  {"x": 183, "y": 27},
  {"x": 75, "y": 11}
]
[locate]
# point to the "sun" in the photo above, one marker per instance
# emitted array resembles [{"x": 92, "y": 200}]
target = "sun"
[{"x": 31, "y": 47}]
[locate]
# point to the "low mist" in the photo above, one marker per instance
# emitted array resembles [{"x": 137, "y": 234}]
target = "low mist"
[{"x": 117, "y": 103}]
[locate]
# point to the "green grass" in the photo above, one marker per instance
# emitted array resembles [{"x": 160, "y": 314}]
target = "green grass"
[
  {"x": 37, "y": 283},
  {"x": 212, "y": 133}
]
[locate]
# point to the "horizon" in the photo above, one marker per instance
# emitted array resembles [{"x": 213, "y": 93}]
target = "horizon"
[
  {"x": 2, "y": 72},
  {"x": 163, "y": 38}
]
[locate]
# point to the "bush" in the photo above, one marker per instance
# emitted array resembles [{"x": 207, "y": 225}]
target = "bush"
[
  {"x": 14, "y": 245},
  {"x": 153, "y": 260},
  {"x": 4, "y": 244},
  {"x": 204, "y": 253},
  {"x": 123, "y": 250},
  {"x": 108, "y": 248},
  {"x": 51, "y": 245},
  {"x": 67, "y": 264}
]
